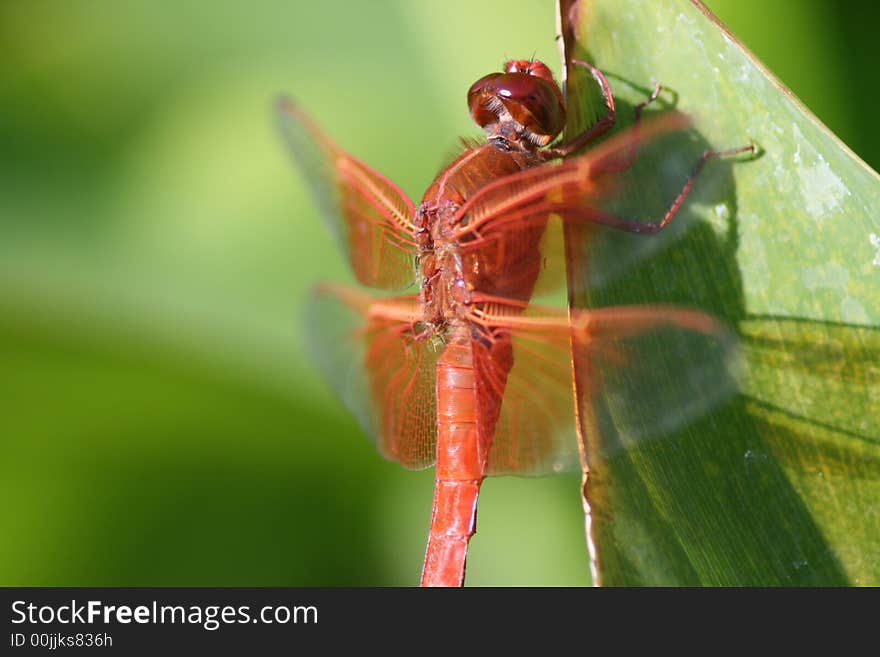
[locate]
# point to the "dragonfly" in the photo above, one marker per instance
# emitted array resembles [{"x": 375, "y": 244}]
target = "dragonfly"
[{"x": 462, "y": 370}]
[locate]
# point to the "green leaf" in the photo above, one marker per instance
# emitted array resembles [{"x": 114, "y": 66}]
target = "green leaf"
[{"x": 780, "y": 484}]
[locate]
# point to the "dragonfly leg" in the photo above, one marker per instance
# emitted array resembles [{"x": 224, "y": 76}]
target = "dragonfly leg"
[
  {"x": 606, "y": 122},
  {"x": 624, "y": 163},
  {"x": 599, "y": 128},
  {"x": 654, "y": 95},
  {"x": 651, "y": 228}
]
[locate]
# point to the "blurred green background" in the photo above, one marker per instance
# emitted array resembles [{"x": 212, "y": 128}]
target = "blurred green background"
[{"x": 160, "y": 420}]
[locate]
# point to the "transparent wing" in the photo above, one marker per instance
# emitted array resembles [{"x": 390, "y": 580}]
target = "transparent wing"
[
  {"x": 534, "y": 432},
  {"x": 640, "y": 194},
  {"x": 372, "y": 353},
  {"x": 370, "y": 217},
  {"x": 642, "y": 371},
  {"x": 610, "y": 200},
  {"x": 663, "y": 368},
  {"x": 571, "y": 184}
]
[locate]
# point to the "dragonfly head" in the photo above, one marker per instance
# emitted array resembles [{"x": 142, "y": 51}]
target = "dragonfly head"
[{"x": 525, "y": 95}]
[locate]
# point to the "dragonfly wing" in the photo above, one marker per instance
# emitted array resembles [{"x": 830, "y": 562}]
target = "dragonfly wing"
[
  {"x": 628, "y": 374},
  {"x": 371, "y": 351},
  {"x": 578, "y": 179},
  {"x": 608, "y": 199},
  {"x": 370, "y": 217},
  {"x": 641, "y": 193},
  {"x": 643, "y": 372},
  {"x": 535, "y": 429}
]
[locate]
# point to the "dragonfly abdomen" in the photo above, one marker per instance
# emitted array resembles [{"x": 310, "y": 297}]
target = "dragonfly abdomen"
[{"x": 460, "y": 466}]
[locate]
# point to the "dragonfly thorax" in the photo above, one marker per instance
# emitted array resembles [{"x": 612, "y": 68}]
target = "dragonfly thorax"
[
  {"x": 449, "y": 262},
  {"x": 445, "y": 294}
]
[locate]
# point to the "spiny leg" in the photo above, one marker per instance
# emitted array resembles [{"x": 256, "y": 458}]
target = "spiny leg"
[
  {"x": 652, "y": 228},
  {"x": 606, "y": 122},
  {"x": 625, "y": 163},
  {"x": 597, "y": 129}
]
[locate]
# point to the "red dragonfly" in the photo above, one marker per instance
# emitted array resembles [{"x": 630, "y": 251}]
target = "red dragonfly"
[{"x": 467, "y": 374}]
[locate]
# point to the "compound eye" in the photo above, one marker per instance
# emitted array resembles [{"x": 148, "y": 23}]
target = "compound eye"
[
  {"x": 482, "y": 101},
  {"x": 531, "y": 101},
  {"x": 531, "y": 66}
]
